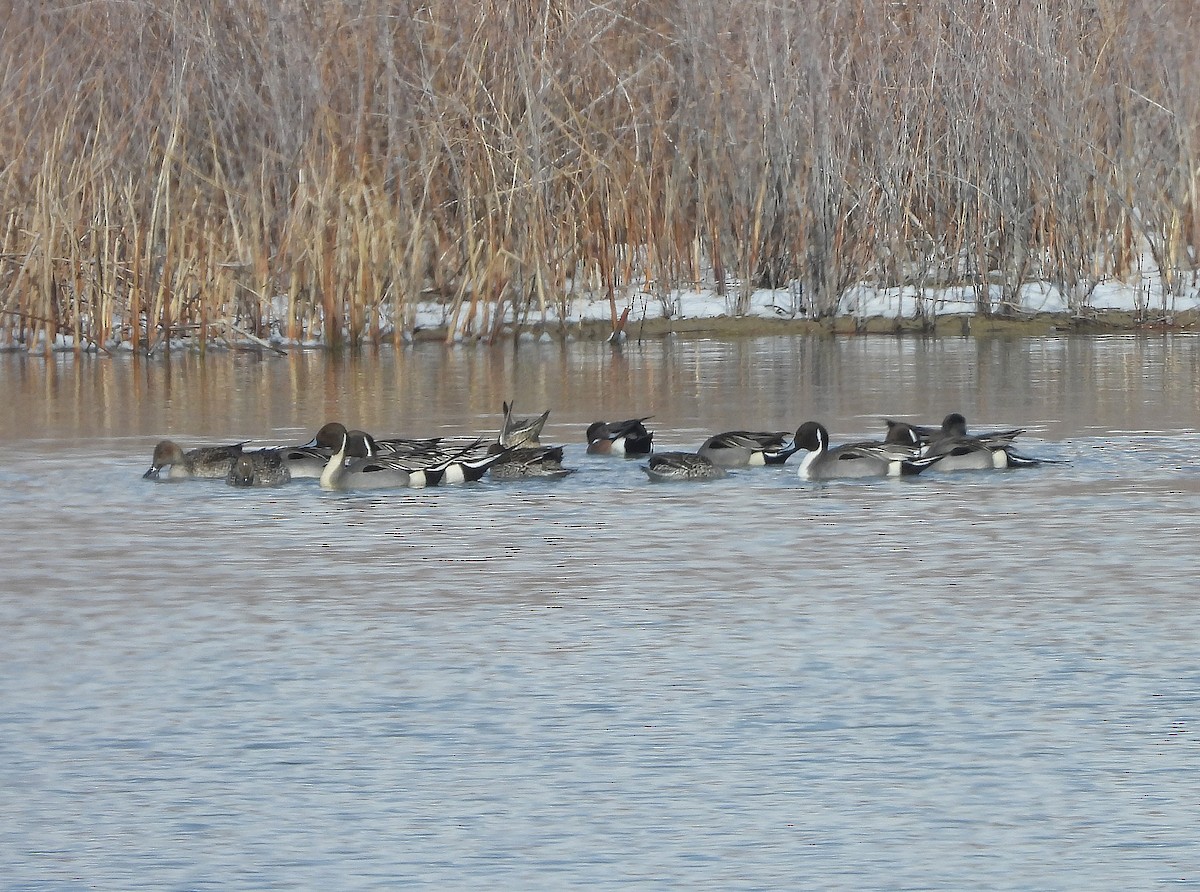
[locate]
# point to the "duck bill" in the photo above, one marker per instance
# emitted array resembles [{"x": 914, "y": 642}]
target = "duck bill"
[{"x": 151, "y": 474}]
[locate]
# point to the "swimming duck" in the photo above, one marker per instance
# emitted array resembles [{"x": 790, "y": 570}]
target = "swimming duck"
[
  {"x": 671, "y": 466},
  {"x": 462, "y": 463},
  {"x": 953, "y": 425},
  {"x": 855, "y": 459},
  {"x": 430, "y": 465},
  {"x": 529, "y": 461},
  {"x": 260, "y": 468},
  {"x": 962, "y": 452},
  {"x": 330, "y": 436},
  {"x": 521, "y": 431},
  {"x": 736, "y": 449},
  {"x": 207, "y": 461},
  {"x": 628, "y": 437},
  {"x": 308, "y": 460},
  {"x": 344, "y": 471},
  {"x": 974, "y": 454}
]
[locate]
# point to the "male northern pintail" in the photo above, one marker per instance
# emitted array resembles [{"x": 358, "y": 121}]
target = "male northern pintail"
[
  {"x": 628, "y": 437},
  {"x": 953, "y": 425},
  {"x": 345, "y": 471},
  {"x": 310, "y": 459},
  {"x": 462, "y": 461},
  {"x": 262, "y": 468},
  {"x": 521, "y": 431},
  {"x": 855, "y": 459},
  {"x": 529, "y": 462},
  {"x": 670, "y": 466},
  {"x": 330, "y": 436},
  {"x": 971, "y": 454},
  {"x": 960, "y": 451},
  {"x": 211, "y": 462},
  {"x": 737, "y": 449}
]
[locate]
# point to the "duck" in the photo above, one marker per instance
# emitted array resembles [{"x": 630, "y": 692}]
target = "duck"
[
  {"x": 991, "y": 451},
  {"x": 309, "y": 460},
  {"x": 973, "y": 454},
  {"x": 517, "y": 432},
  {"x": 260, "y": 468},
  {"x": 213, "y": 462},
  {"x": 628, "y": 437},
  {"x": 346, "y": 471},
  {"x": 961, "y": 451},
  {"x": 461, "y": 463},
  {"x": 737, "y": 449},
  {"x": 303, "y": 462},
  {"x": 330, "y": 435},
  {"x": 851, "y": 460},
  {"x": 432, "y": 465},
  {"x": 671, "y": 466},
  {"x": 527, "y": 462},
  {"x": 953, "y": 425}
]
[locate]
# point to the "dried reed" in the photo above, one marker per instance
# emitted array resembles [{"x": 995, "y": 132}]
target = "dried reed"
[{"x": 313, "y": 170}]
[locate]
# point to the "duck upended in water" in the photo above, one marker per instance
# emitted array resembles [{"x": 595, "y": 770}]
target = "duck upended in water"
[
  {"x": 628, "y": 437},
  {"x": 737, "y": 449},
  {"x": 853, "y": 460},
  {"x": 671, "y": 466},
  {"x": 517, "y": 432}
]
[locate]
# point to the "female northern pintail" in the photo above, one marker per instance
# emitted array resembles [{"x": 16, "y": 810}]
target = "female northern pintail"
[
  {"x": 855, "y": 459},
  {"x": 669, "y": 466},
  {"x": 528, "y": 462},
  {"x": 736, "y": 449},
  {"x": 521, "y": 431},
  {"x": 628, "y": 437},
  {"x": 262, "y": 468},
  {"x": 211, "y": 462}
]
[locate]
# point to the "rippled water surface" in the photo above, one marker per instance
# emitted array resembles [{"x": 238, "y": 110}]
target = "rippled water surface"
[{"x": 985, "y": 680}]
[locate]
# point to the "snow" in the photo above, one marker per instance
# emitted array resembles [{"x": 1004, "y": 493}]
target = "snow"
[{"x": 1143, "y": 292}]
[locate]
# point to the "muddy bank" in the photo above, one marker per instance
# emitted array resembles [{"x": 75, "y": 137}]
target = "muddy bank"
[
  {"x": 1098, "y": 322},
  {"x": 964, "y": 325}
]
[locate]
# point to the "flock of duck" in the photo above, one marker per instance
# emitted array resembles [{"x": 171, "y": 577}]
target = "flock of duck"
[{"x": 343, "y": 459}]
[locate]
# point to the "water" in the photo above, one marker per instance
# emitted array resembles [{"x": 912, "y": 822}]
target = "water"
[{"x": 984, "y": 680}]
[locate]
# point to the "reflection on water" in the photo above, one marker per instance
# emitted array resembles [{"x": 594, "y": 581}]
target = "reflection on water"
[{"x": 752, "y": 683}]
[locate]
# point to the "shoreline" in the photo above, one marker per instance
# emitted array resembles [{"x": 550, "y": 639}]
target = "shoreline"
[
  {"x": 956, "y": 325},
  {"x": 959, "y": 325}
]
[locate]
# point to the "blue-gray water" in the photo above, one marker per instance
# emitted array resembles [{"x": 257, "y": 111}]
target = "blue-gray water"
[{"x": 985, "y": 680}]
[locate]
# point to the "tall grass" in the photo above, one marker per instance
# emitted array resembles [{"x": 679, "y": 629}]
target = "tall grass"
[{"x": 313, "y": 170}]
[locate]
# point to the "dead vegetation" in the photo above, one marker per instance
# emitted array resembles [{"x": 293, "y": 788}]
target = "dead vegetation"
[{"x": 311, "y": 170}]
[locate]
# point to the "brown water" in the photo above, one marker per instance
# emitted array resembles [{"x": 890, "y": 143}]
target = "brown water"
[{"x": 984, "y": 679}]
